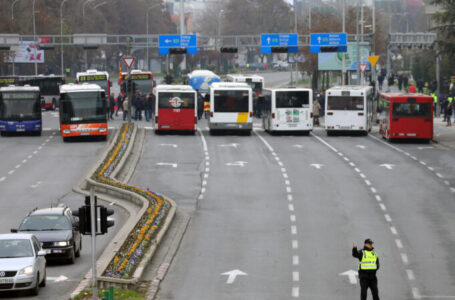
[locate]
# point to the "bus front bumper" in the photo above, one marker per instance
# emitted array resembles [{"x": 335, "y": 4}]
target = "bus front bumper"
[
  {"x": 20, "y": 126},
  {"x": 230, "y": 126}
]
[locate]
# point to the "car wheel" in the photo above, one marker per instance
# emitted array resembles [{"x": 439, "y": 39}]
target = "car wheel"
[
  {"x": 78, "y": 252},
  {"x": 35, "y": 291},
  {"x": 43, "y": 283},
  {"x": 72, "y": 257}
]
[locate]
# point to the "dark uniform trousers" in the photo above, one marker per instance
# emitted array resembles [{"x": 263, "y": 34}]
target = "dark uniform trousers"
[{"x": 371, "y": 283}]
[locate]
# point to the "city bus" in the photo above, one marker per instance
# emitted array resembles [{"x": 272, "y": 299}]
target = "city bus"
[
  {"x": 231, "y": 107},
  {"x": 49, "y": 88},
  {"x": 287, "y": 109},
  {"x": 144, "y": 81},
  {"x": 83, "y": 111},
  {"x": 406, "y": 116},
  {"x": 256, "y": 82},
  {"x": 201, "y": 80},
  {"x": 20, "y": 110},
  {"x": 8, "y": 80},
  {"x": 175, "y": 108},
  {"x": 100, "y": 78},
  {"x": 349, "y": 109}
]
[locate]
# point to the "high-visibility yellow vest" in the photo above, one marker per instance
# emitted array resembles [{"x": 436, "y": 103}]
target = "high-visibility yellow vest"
[
  {"x": 206, "y": 106},
  {"x": 450, "y": 100},
  {"x": 435, "y": 98},
  {"x": 369, "y": 260}
]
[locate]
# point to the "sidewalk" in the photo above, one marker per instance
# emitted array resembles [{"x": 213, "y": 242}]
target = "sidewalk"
[{"x": 443, "y": 135}]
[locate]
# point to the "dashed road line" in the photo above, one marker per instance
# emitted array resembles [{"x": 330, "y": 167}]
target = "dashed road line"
[
  {"x": 11, "y": 172},
  {"x": 295, "y": 276},
  {"x": 2, "y": 178},
  {"x": 404, "y": 258},
  {"x": 388, "y": 218},
  {"x": 394, "y": 230},
  {"x": 290, "y": 198},
  {"x": 295, "y": 260},
  {"x": 295, "y": 244},
  {"x": 399, "y": 244},
  {"x": 291, "y": 207},
  {"x": 292, "y": 218}
]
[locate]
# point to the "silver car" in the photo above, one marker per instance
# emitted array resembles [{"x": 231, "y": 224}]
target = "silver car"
[{"x": 22, "y": 263}]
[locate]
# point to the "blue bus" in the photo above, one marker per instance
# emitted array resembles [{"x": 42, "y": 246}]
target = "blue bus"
[{"x": 20, "y": 110}]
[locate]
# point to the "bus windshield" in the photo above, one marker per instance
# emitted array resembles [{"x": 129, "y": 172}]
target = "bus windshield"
[
  {"x": 143, "y": 86},
  {"x": 101, "y": 83},
  {"x": 82, "y": 107},
  {"x": 292, "y": 99},
  {"x": 345, "y": 103},
  {"x": 20, "y": 106},
  {"x": 411, "y": 110},
  {"x": 176, "y": 100},
  {"x": 255, "y": 86},
  {"x": 231, "y": 101}
]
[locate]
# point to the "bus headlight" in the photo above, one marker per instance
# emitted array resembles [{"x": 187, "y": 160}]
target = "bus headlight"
[
  {"x": 102, "y": 129},
  {"x": 66, "y": 131}
]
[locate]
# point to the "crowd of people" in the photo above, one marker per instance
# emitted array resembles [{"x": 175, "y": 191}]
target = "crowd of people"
[{"x": 141, "y": 106}]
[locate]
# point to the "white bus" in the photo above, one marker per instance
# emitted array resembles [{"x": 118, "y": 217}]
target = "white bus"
[
  {"x": 100, "y": 78},
  {"x": 287, "y": 109},
  {"x": 231, "y": 107},
  {"x": 256, "y": 82},
  {"x": 349, "y": 108}
]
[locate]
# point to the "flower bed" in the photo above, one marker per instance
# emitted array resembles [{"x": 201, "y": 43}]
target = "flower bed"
[{"x": 139, "y": 239}]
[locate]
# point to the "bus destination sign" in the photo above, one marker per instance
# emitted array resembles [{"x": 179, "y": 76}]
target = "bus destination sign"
[{"x": 92, "y": 77}]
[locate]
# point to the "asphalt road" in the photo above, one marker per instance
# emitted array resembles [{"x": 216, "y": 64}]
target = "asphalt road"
[
  {"x": 39, "y": 172},
  {"x": 284, "y": 210}
]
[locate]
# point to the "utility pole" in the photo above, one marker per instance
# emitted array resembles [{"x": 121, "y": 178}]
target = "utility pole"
[
  {"x": 61, "y": 36},
  {"x": 34, "y": 38},
  {"x": 438, "y": 84},
  {"x": 129, "y": 92},
  {"x": 362, "y": 26},
  {"x": 93, "y": 231},
  {"x": 343, "y": 66},
  {"x": 182, "y": 29},
  {"x": 357, "y": 41}
]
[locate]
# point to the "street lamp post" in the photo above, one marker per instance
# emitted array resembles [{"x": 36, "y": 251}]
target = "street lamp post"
[
  {"x": 83, "y": 25},
  {"x": 61, "y": 36},
  {"x": 12, "y": 9},
  {"x": 218, "y": 32},
  {"x": 147, "y": 25},
  {"x": 34, "y": 37}
]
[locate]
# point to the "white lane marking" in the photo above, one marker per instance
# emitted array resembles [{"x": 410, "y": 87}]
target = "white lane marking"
[
  {"x": 169, "y": 145},
  {"x": 325, "y": 143},
  {"x": 40, "y": 147},
  {"x": 280, "y": 163},
  {"x": 285, "y": 175},
  {"x": 387, "y": 166},
  {"x": 207, "y": 170},
  {"x": 388, "y": 218},
  {"x": 399, "y": 244},
  {"x": 112, "y": 203},
  {"x": 295, "y": 244},
  {"x": 404, "y": 258},
  {"x": 317, "y": 166},
  {"x": 43, "y": 144},
  {"x": 416, "y": 293},
  {"x": 290, "y": 198},
  {"x": 232, "y": 275},
  {"x": 431, "y": 169},
  {"x": 48, "y": 140},
  {"x": 234, "y": 145},
  {"x": 204, "y": 183},
  {"x": 264, "y": 141},
  {"x": 394, "y": 230},
  {"x": 283, "y": 170},
  {"x": 340, "y": 154},
  {"x": 298, "y": 146},
  {"x": 362, "y": 175},
  {"x": 206, "y": 175},
  {"x": 201, "y": 196},
  {"x": 206, "y": 153},
  {"x": 452, "y": 189},
  {"x": 345, "y": 158},
  {"x": 373, "y": 190},
  {"x": 378, "y": 198},
  {"x": 426, "y": 147},
  {"x": 11, "y": 172},
  {"x": 18, "y": 166},
  {"x": 423, "y": 163},
  {"x": 357, "y": 170},
  {"x": 407, "y": 154},
  {"x": 361, "y": 147},
  {"x": 352, "y": 164},
  {"x": 30, "y": 156},
  {"x": 414, "y": 158},
  {"x": 292, "y": 217},
  {"x": 277, "y": 158},
  {"x": 295, "y": 292},
  {"x": 273, "y": 153},
  {"x": 446, "y": 182},
  {"x": 237, "y": 163},
  {"x": 174, "y": 165},
  {"x": 295, "y": 260},
  {"x": 204, "y": 142},
  {"x": 288, "y": 189},
  {"x": 203, "y": 190},
  {"x": 367, "y": 182},
  {"x": 34, "y": 186},
  {"x": 2, "y": 178},
  {"x": 207, "y": 163},
  {"x": 295, "y": 276},
  {"x": 293, "y": 230},
  {"x": 291, "y": 207},
  {"x": 410, "y": 274},
  {"x": 383, "y": 206},
  {"x": 439, "y": 175},
  {"x": 287, "y": 182},
  {"x": 24, "y": 161}
]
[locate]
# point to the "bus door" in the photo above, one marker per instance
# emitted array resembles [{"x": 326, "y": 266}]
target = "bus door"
[
  {"x": 176, "y": 111},
  {"x": 411, "y": 117},
  {"x": 346, "y": 113},
  {"x": 292, "y": 111}
]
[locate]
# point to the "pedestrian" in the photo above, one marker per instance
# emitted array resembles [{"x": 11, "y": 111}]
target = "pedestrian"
[
  {"x": 200, "y": 105},
  {"x": 405, "y": 82},
  {"x": 420, "y": 85},
  {"x": 380, "y": 81},
  {"x": 125, "y": 108},
  {"x": 316, "y": 111},
  {"x": 148, "y": 107},
  {"x": 444, "y": 105},
  {"x": 119, "y": 103},
  {"x": 207, "y": 105},
  {"x": 111, "y": 106},
  {"x": 368, "y": 265},
  {"x": 400, "y": 82},
  {"x": 449, "y": 114}
]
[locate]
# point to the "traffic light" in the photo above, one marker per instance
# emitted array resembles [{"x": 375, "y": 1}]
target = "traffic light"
[
  {"x": 105, "y": 223},
  {"x": 168, "y": 79}
]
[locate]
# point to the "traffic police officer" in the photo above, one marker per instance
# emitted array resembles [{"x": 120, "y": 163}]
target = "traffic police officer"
[
  {"x": 435, "y": 100},
  {"x": 368, "y": 265}
]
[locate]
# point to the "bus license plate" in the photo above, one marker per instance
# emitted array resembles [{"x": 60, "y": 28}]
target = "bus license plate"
[
  {"x": 6, "y": 280},
  {"x": 85, "y": 133},
  {"x": 20, "y": 129},
  {"x": 411, "y": 134}
]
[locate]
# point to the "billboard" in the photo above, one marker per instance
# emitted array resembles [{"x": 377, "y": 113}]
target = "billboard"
[
  {"x": 25, "y": 53},
  {"x": 333, "y": 61}
]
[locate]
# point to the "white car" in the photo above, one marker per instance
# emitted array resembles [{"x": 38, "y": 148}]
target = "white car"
[{"x": 22, "y": 263}]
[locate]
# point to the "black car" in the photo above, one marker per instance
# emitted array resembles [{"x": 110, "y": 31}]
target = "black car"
[{"x": 57, "y": 230}]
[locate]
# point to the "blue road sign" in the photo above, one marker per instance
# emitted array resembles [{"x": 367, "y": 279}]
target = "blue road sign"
[
  {"x": 328, "y": 42},
  {"x": 188, "y": 41},
  {"x": 289, "y": 40}
]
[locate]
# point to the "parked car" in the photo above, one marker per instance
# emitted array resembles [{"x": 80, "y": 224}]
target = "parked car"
[
  {"x": 280, "y": 65},
  {"x": 22, "y": 263},
  {"x": 57, "y": 230}
]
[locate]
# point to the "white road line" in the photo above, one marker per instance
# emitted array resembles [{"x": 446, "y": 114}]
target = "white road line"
[
  {"x": 407, "y": 154},
  {"x": 11, "y": 172},
  {"x": 452, "y": 189},
  {"x": 378, "y": 198},
  {"x": 346, "y": 159},
  {"x": 439, "y": 175},
  {"x": 404, "y": 258},
  {"x": 280, "y": 163},
  {"x": 207, "y": 163},
  {"x": 17, "y": 166},
  {"x": 373, "y": 190},
  {"x": 287, "y": 182},
  {"x": 394, "y": 230},
  {"x": 414, "y": 158},
  {"x": 206, "y": 152},
  {"x": 206, "y": 175},
  {"x": 295, "y": 260},
  {"x": 2, "y": 179},
  {"x": 324, "y": 142},
  {"x": 30, "y": 156},
  {"x": 340, "y": 154},
  {"x": 388, "y": 218},
  {"x": 410, "y": 274},
  {"x": 204, "y": 142},
  {"x": 293, "y": 230},
  {"x": 34, "y": 152},
  {"x": 24, "y": 161},
  {"x": 288, "y": 189},
  {"x": 201, "y": 196},
  {"x": 416, "y": 293},
  {"x": 292, "y": 217},
  {"x": 431, "y": 169},
  {"x": 283, "y": 170},
  {"x": 295, "y": 244},
  {"x": 285, "y": 175},
  {"x": 48, "y": 140},
  {"x": 207, "y": 170},
  {"x": 362, "y": 175},
  {"x": 295, "y": 292},
  {"x": 264, "y": 141},
  {"x": 290, "y": 198},
  {"x": 273, "y": 153},
  {"x": 367, "y": 182},
  {"x": 207, "y": 157},
  {"x": 352, "y": 164},
  {"x": 295, "y": 276},
  {"x": 357, "y": 170},
  {"x": 40, "y": 147},
  {"x": 383, "y": 206},
  {"x": 277, "y": 158},
  {"x": 203, "y": 190},
  {"x": 399, "y": 244},
  {"x": 291, "y": 207},
  {"x": 43, "y": 144},
  {"x": 204, "y": 182},
  {"x": 446, "y": 182},
  {"x": 423, "y": 163}
]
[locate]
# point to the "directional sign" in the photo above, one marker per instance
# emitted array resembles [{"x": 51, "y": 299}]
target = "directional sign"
[
  {"x": 373, "y": 60},
  {"x": 128, "y": 61},
  {"x": 289, "y": 40},
  {"x": 328, "y": 42},
  {"x": 363, "y": 68},
  {"x": 188, "y": 41}
]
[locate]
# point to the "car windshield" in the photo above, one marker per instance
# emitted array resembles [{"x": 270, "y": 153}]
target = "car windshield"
[
  {"x": 45, "y": 222},
  {"x": 15, "y": 248}
]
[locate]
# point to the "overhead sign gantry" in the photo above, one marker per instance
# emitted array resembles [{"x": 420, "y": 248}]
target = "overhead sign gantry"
[
  {"x": 177, "y": 44},
  {"x": 328, "y": 42},
  {"x": 279, "y": 43}
]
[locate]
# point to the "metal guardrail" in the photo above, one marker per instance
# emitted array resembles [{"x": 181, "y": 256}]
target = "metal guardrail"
[{"x": 412, "y": 38}]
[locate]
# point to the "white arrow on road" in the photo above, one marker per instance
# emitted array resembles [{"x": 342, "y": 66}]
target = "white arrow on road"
[
  {"x": 235, "y": 145},
  {"x": 57, "y": 279},
  {"x": 169, "y": 145},
  {"x": 166, "y": 164},
  {"x": 352, "y": 275},
  {"x": 426, "y": 147},
  {"x": 361, "y": 147},
  {"x": 317, "y": 166},
  {"x": 34, "y": 186},
  {"x": 387, "y": 166},
  {"x": 232, "y": 275},
  {"x": 237, "y": 163},
  {"x": 298, "y": 146}
]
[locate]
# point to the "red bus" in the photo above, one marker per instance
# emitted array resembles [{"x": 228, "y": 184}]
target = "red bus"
[
  {"x": 406, "y": 116},
  {"x": 175, "y": 108},
  {"x": 143, "y": 80}
]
